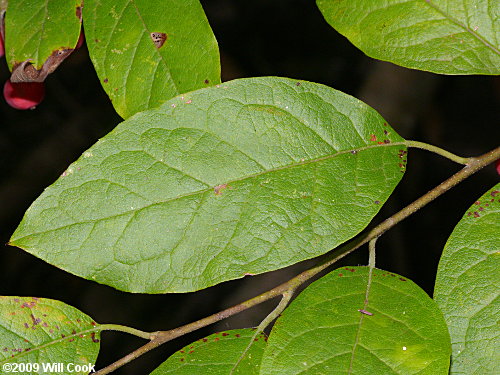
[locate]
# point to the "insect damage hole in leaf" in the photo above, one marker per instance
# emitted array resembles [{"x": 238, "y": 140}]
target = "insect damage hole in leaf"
[{"x": 158, "y": 39}]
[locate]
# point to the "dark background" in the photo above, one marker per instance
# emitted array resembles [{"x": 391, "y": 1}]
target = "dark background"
[{"x": 257, "y": 38}]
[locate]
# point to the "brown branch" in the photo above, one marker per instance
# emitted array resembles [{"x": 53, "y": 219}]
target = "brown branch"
[{"x": 161, "y": 337}]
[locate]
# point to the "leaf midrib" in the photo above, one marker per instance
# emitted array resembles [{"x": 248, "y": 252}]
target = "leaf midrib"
[{"x": 300, "y": 163}]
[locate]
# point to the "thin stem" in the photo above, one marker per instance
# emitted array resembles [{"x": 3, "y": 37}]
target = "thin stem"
[
  {"x": 161, "y": 337},
  {"x": 130, "y": 330},
  {"x": 285, "y": 300},
  {"x": 371, "y": 256},
  {"x": 439, "y": 151}
]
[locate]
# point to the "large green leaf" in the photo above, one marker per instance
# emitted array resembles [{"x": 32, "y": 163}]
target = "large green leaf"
[
  {"x": 247, "y": 177},
  {"x": 441, "y": 36},
  {"x": 35, "y": 29},
  {"x": 467, "y": 287},
  {"x": 350, "y": 323},
  {"x": 136, "y": 74},
  {"x": 218, "y": 354},
  {"x": 40, "y": 332}
]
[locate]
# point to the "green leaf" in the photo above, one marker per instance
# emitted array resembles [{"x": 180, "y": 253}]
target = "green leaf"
[
  {"x": 39, "y": 332},
  {"x": 440, "y": 36},
  {"x": 349, "y": 322},
  {"x": 133, "y": 71},
  {"x": 467, "y": 287},
  {"x": 217, "y": 354},
  {"x": 244, "y": 178},
  {"x": 36, "y": 29}
]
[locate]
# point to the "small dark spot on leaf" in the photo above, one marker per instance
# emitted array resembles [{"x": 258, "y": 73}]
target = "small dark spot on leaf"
[
  {"x": 373, "y": 138},
  {"x": 238, "y": 335},
  {"x": 181, "y": 351},
  {"x": 79, "y": 12},
  {"x": 158, "y": 39},
  {"x": 63, "y": 335},
  {"x": 204, "y": 340},
  {"x": 206, "y": 82},
  {"x": 182, "y": 359},
  {"x": 385, "y": 131},
  {"x": 96, "y": 40},
  {"x": 341, "y": 274},
  {"x": 256, "y": 339},
  {"x": 354, "y": 152},
  {"x": 476, "y": 214},
  {"x": 297, "y": 84},
  {"x": 105, "y": 80},
  {"x": 93, "y": 323},
  {"x": 477, "y": 203},
  {"x": 377, "y": 202},
  {"x": 92, "y": 336},
  {"x": 191, "y": 352},
  {"x": 26, "y": 325},
  {"x": 71, "y": 340},
  {"x": 494, "y": 193},
  {"x": 35, "y": 320},
  {"x": 216, "y": 339},
  {"x": 225, "y": 334},
  {"x": 386, "y": 141},
  {"x": 402, "y": 279}
]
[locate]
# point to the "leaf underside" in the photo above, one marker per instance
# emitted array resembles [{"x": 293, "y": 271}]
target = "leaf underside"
[
  {"x": 440, "y": 36},
  {"x": 218, "y": 354},
  {"x": 336, "y": 326},
  {"x": 38, "y": 331},
  {"x": 243, "y": 178},
  {"x": 146, "y": 52},
  {"x": 467, "y": 287}
]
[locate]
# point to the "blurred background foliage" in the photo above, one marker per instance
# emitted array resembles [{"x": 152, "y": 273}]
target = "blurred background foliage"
[{"x": 258, "y": 38}]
